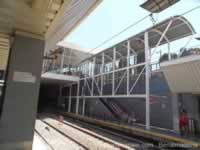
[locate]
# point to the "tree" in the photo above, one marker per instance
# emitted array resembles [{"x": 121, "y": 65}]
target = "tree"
[{"x": 164, "y": 57}]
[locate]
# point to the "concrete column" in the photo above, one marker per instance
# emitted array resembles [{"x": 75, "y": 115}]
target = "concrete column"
[
  {"x": 175, "y": 114},
  {"x": 21, "y": 94}
]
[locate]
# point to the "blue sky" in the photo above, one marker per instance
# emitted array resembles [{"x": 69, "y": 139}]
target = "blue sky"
[{"x": 112, "y": 16}]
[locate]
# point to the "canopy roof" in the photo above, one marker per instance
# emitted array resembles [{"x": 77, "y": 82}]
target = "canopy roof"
[
  {"x": 72, "y": 55},
  {"x": 183, "y": 74},
  {"x": 156, "y": 6},
  {"x": 179, "y": 28}
]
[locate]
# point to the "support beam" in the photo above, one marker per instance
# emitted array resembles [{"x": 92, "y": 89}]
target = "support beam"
[
  {"x": 162, "y": 36},
  {"x": 116, "y": 70},
  {"x": 119, "y": 84},
  {"x": 128, "y": 69},
  {"x": 93, "y": 69},
  {"x": 83, "y": 109},
  {"x": 142, "y": 96},
  {"x": 169, "y": 51},
  {"x": 70, "y": 99},
  {"x": 147, "y": 75},
  {"x": 113, "y": 71},
  {"x": 62, "y": 60},
  {"x": 108, "y": 56},
  {"x": 88, "y": 86},
  {"x": 77, "y": 98},
  {"x": 102, "y": 71}
]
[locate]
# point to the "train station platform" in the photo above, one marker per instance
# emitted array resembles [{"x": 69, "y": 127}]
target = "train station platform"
[{"x": 157, "y": 135}]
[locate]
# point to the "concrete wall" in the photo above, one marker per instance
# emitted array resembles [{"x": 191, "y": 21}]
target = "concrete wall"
[{"x": 20, "y": 102}]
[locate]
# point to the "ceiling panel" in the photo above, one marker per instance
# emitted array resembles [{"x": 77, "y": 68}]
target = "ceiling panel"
[{"x": 49, "y": 19}]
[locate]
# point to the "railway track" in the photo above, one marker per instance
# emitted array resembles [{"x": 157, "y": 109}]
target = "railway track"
[
  {"x": 87, "y": 145},
  {"x": 55, "y": 139},
  {"x": 115, "y": 139},
  {"x": 64, "y": 134},
  {"x": 133, "y": 142},
  {"x": 112, "y": 138},
  {"x": 145, "y": 145},
  {"x": 43, "y": 138}
]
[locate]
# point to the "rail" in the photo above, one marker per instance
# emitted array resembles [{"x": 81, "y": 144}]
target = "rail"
[
  {"x": 85, "y": 131},
  {"x": 43, "y": 138},
  {"x": 65, "y": 135}
]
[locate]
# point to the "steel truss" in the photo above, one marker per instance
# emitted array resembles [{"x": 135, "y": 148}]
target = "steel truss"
[
  {"x": 115, "y": 55},
  {"x": 125, "y": 76}
]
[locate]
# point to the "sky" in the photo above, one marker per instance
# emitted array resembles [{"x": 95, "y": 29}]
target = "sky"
[{"x": 112, "y": 16}]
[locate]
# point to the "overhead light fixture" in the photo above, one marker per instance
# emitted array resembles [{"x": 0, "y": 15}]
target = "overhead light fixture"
[{"x": 156, "y": 6}]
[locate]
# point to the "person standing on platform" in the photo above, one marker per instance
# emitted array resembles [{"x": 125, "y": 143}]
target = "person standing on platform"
[{"x": 184, "y": 123}]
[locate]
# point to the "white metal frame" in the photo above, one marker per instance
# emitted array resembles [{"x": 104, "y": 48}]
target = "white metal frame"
[
  {"x": 126, "y": 74},
  {"x": 70, "y": 99}
]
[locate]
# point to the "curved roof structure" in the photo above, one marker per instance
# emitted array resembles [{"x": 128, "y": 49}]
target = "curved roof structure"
[
  {"x": 176, "y": 27},
  {"x": 172, "y": 29}
]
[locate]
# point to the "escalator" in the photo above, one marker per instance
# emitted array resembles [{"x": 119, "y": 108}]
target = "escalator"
[
  {"x": 115, "y": 108},
  {"x": 117, "y": 111},
  {"x": 109, "y": 107}
]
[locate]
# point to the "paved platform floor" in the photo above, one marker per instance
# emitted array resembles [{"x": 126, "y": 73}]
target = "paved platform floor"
[{"x": 39, "y": 144}]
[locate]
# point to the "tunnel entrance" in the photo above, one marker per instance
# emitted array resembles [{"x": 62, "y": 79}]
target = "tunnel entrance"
[{"x": 48, "y": 98}]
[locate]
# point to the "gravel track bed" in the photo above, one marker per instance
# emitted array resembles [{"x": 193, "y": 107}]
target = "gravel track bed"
[
  {"x": 40, "y": 144},
  {"x": 131, "y": 142},
  {"x": 85, "y": 139},
  {"x": 55, "y": 139}
]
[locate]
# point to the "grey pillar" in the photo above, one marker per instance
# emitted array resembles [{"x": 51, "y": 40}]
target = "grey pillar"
[{"x": 21, "y": 95}]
